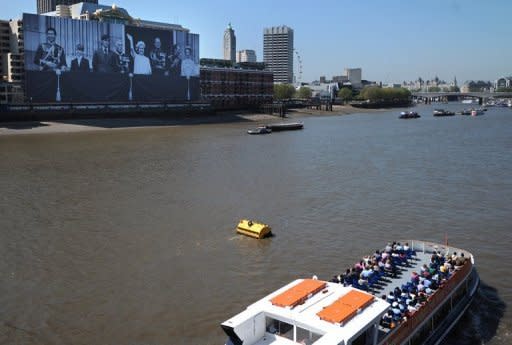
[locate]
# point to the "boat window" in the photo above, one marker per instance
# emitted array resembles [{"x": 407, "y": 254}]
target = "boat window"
[
  {"x": 280, "y": 328},
  {"x": 306, "y": 337},
  {"x": 360, "y": 340},
  {"x": 364, "y": 338}
]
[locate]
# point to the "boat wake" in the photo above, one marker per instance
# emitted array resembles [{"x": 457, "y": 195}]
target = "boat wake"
[{"x": 480, "y": 322}]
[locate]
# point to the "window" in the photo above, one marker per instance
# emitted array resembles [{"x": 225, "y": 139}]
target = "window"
[
  {"x": 280, "y": 328},
  {"x": 306, "y": 337}
]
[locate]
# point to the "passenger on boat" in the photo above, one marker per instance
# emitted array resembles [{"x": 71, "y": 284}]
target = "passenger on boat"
[
  {"x": 366, "y": 273},
  {"x": 397, "y": 313},
  {"x": 362, "y": 281},
  {"x": 427, "y": 283},
  {"x": 411, "y": 307},
  {"x": 377, "y": 255},
  {"x": 415, "y": 278},
  {"x": 460, "y": 261},
  {"x": 387, "y": 320}
]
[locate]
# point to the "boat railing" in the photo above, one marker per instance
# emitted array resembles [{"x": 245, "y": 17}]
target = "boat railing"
[
  {"x": 415, "y": 321},
  {"x": 429, "y": 247}
]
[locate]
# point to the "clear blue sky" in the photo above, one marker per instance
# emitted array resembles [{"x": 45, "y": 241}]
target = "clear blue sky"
[{"x": 390, "y": 40}]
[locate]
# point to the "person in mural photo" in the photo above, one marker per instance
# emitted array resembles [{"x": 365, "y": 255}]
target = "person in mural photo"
[
  {"x": 80, "y": 63},
  {"x": 122, "y": 59},
  {"x": 158, "y": 58},
  {"x": 141, "y": 63},
  {"x": 104, "y": 60},
  {"x": 50, "y": 56},
  {"x": 175, "y": 60},
  {"x": 189, "y": 67}
]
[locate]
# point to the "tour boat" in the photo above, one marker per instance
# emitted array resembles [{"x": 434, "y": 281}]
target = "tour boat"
[
  {"x": 319, "y": 312},
  {"x": 442, "y": 112},
  {"x": 409, "y": 115}
]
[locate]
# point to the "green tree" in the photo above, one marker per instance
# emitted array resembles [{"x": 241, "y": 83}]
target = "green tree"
[
  {"x": 375, "y": 93},
  {"x": 283, "y": 91},
  {"x": 454, "y": 89},
  {"x": 345, "y": 94},
  {"x": 304, "y": 92},
  {"x": 434, "y": 89}
]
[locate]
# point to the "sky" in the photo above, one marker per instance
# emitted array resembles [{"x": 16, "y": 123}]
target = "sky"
[{"x": 391, "y": 40}]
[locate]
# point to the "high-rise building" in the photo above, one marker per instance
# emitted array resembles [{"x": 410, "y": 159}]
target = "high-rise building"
[
  {"x": 278, "y": 52},
  {"x": 229, "y": 44},
  {"x": 44, "y": 6},
  {"x": 246, "y": 55},
  {"x": 354, "y": 76}
]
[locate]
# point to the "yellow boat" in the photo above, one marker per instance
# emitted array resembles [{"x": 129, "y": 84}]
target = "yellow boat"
[{"x": 253, "y": 229}]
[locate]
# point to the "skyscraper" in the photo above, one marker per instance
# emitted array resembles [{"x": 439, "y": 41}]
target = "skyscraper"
[
  {"x": 229, "y": 44},
  {"x": 44, "y": 6},
  {"x": 278, "y": 52},
  {"x": 246, "y": 55}
]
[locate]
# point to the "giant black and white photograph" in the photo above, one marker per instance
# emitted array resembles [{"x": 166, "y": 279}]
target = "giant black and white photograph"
[{"x": 70, "y": 60}]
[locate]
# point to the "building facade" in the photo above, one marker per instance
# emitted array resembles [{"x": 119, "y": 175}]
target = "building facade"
[
  {"x": 12, "y": 71},
  {"x": 44, "y": 6},
  {"x": 235, "y": 87},
  {"x": 246, "y": 55},
  {"x": 229, "y": 44},
  {"x": 278, "y": 52},
  {"x": 354, "y": 76}
]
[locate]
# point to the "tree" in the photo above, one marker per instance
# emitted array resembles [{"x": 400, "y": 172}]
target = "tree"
[
  {"x": 304, "y": 92},
  {"x": 283, "y": 91},
  {"x": 375, "y": 93},
  {"x": 345, "y": 94}
]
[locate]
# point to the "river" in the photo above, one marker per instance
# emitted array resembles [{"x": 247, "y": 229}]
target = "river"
[{"x": 127, "y": 236}]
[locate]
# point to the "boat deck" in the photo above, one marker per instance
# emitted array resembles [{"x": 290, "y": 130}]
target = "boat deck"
[{"x": 387, "y": 285}]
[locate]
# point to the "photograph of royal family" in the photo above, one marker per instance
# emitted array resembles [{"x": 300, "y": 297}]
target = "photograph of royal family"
[
  {"x": 138, "y": 51},
  {"x": 65, "y": 46}
]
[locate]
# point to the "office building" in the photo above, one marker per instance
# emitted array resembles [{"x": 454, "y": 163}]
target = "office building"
[
  {"x": 248, "y": 85},
  {"x": 44, "y": 6},
  {"x": 229, "y": 44},
  {"x": 246, "y": 55},
  {"x": 11, "y": 61},
  {"x": 278, "y": 52},
  {"x": 354, "y": 76}
]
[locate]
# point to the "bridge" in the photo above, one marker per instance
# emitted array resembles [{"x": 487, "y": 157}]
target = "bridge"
[
  {"x": 452, "y": 96},
  {"x": 463, "y": 94}
]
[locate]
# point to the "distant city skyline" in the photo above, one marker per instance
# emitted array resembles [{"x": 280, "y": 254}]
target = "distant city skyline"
[{"x": 391, "y": 41}]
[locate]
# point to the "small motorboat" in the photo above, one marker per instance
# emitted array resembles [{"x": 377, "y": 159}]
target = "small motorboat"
[
  {"x": 409, "y": 115},
  {"x": 260, "y": 130}
]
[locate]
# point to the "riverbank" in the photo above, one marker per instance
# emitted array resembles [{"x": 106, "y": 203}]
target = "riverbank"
[{"x": 100, "y": 124}]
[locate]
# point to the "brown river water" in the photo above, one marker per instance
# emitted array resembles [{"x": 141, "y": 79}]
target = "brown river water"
[{"x": 127, "y": 237}]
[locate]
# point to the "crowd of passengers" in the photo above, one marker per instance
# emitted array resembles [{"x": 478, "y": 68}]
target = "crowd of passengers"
[
  {"x": 371, "y": 268},
  {"x": 408, "y": 298}
]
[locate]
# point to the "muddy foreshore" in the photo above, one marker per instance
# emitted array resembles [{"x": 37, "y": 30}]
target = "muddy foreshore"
[{"x": 101, "y": 124}]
